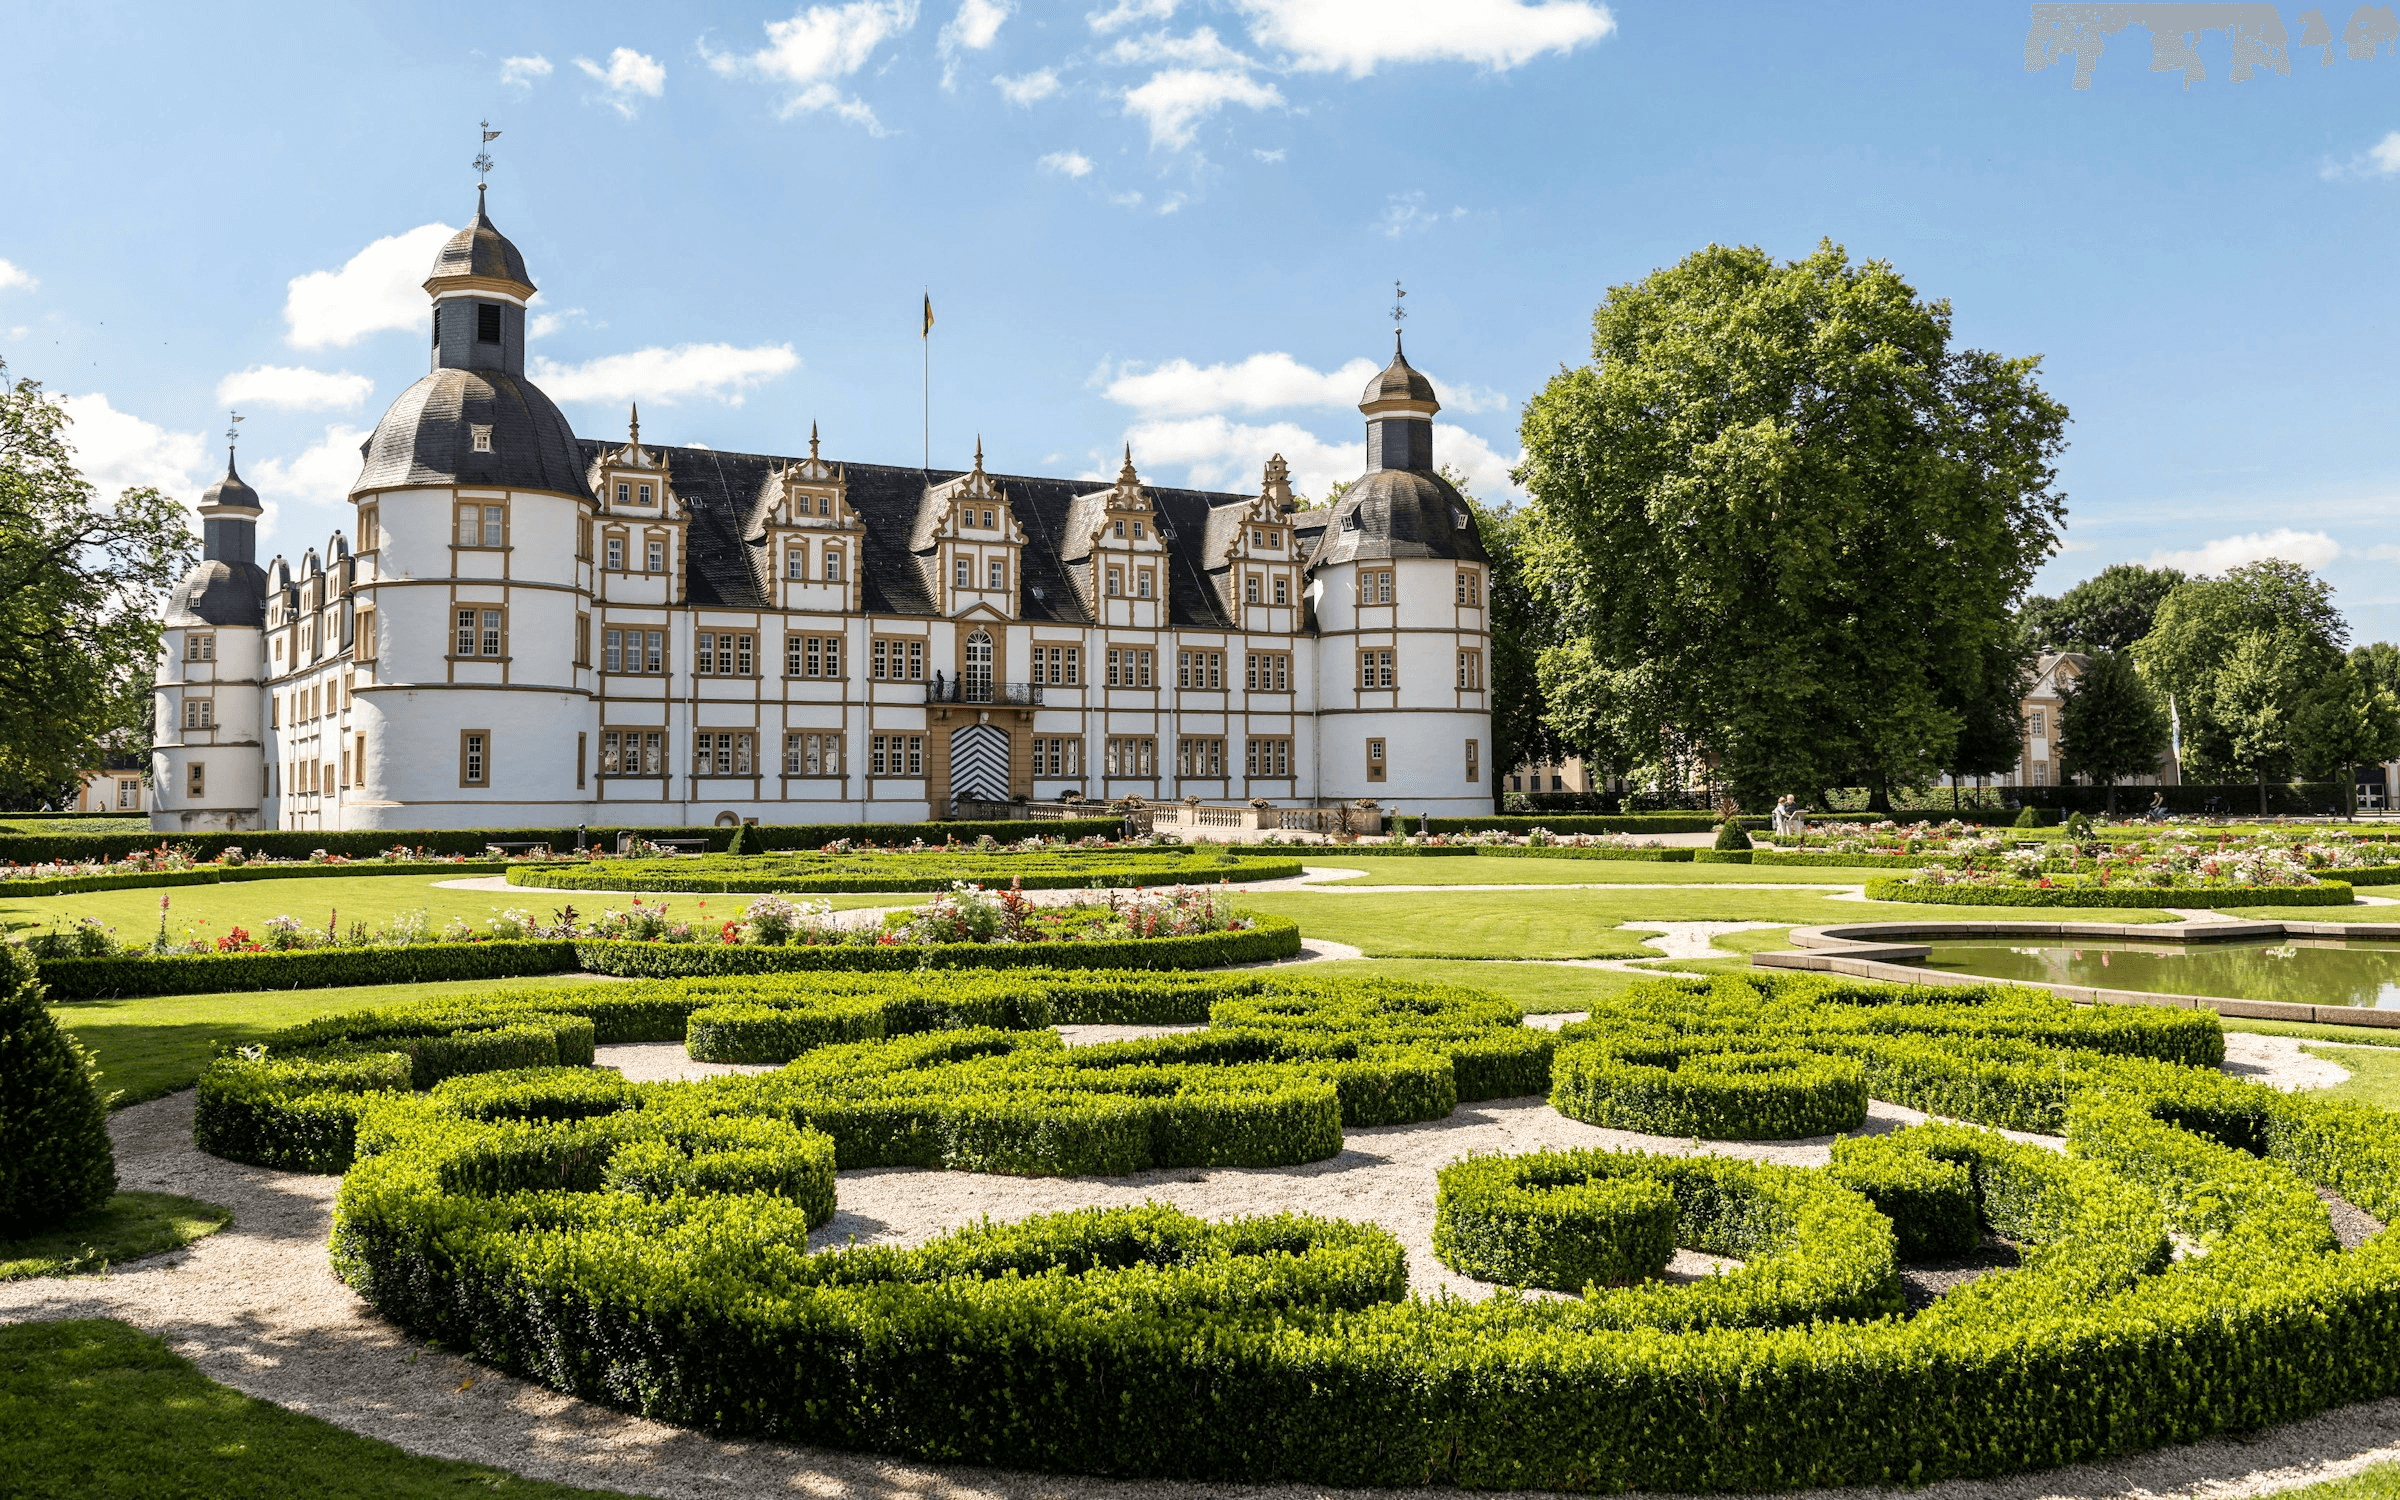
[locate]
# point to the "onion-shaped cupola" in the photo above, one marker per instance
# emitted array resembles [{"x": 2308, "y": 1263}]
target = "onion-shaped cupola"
[
  {"x": 225, "y": 588},
  {"x": 1399, "y": 406},
  {"x": 229, "y": 512},
  {"x": 475, "y": 418}
]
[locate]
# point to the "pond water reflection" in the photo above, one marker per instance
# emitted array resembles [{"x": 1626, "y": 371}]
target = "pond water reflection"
[{"x": 2299, "y": 971}]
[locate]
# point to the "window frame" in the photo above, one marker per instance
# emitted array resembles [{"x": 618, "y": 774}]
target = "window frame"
[
  {"x": 475, "y": 759},
  {"x": 487, "y": 513},
  {"x": 1376, "y": 759}
]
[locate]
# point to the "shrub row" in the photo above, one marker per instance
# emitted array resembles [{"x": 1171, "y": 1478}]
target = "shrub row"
[
  {"x": 1065, "y": 870},
  {"x": 305, "y": 968},
  {"x": 1715, "y": 1093},
  {"x": 228, "y": 874},
  {"x": 1900, "y": 888},
  {"x": 35, "y": 848},
  {"x": 491, "y": 1215}
]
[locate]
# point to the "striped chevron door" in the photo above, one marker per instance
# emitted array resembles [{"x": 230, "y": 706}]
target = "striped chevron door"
[{"x": 979, "y": 763}]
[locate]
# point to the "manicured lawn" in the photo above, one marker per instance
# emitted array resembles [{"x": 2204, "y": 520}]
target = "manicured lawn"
[
  {"x": 209, "y": 911},
  {"x": 1471, "y": 870},
  {"x": 100, "y": 1411},
  {"x": 2369, "y": 1036},
  {"x": 158, "y": 1044},
  {"x": 2379, "y": 1483},
  {"x": 2358, "y": 913},
  {"x": 130, "y": 1226},
  {"x": 2374, "y": 1075},
  {"x": 1572, "y": 923}
]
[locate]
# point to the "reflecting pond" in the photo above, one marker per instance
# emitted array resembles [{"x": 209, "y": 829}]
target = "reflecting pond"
[{"x": 2300, "y": 971}]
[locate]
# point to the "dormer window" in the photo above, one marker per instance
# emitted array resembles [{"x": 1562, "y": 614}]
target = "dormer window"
[
  {"x": 487, "y": 322},
  {"x": 644, "y": 498},
  {"x": 1120, "y": 529},
  {"x": 1137, "y": 531},
  {"x": 989, "y": 523},
  {"x": 482, "y": 436},
  {"x": 623, "y": 492}
]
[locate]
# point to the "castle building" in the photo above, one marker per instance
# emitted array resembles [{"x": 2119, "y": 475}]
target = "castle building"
[{"x": 529, "y": 628}]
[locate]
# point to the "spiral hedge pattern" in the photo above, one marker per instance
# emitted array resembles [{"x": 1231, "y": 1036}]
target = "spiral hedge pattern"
[{"x": 644, "y": 1245}]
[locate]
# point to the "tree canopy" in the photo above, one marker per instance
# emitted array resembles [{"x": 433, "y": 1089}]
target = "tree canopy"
[
  {"x": 81, "y": 583},
  {"x": 1786, "y": 522},
  {"x": 1522, "y": 624},
  {"x": 2106, "y": 612},
  {"x": 2238, "y": 657},
  {"x": 2109, "y": 726}
]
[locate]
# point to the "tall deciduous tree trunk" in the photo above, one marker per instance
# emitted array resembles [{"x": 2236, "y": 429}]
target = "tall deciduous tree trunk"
[{"x": 2262, "y": 794}]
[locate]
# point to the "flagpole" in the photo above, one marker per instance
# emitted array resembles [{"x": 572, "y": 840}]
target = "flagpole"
[{"x": 925, "y": 337}]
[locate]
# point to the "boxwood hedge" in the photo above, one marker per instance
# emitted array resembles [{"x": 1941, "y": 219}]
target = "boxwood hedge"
[
  {"x": 228, "y": 874},
  {"x": 1900, "y": 888},
  {"x": 1041, "y": 870},
  {"x": 526, "y": 1218}
]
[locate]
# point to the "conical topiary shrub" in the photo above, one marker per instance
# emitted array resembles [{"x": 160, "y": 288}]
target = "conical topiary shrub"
[
  {"x": 55, "y": 1161},
  {"x": 2032, "y": 817},
  {"x": 744, "y": 841},
  {"x": 1731, "y": 835}
]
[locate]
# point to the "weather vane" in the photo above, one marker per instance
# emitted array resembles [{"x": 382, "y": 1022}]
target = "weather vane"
[
  {"x": 483, "y": 156},
  {"x": 233, "y": 429},
  {"x": 1399, "y": 305}
]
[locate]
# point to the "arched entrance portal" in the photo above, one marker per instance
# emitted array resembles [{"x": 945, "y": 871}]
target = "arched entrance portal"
[{"x": 979, "y": 760}]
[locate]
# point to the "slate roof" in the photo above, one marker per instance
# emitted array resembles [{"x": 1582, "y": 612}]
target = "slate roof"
[
  {"x": 219, "y": 593},
  {"x": 727, "y": 569},
  {"x": 426, "y": 437},
  {"x": 1398, "y": 513},
  {"x": 481, "y": 249},
  {"x": 1400, "y": 381},
  {"x": 232, "y": 491}
]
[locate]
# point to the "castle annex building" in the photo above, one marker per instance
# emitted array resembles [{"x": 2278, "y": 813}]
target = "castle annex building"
[{"x": 530, "y": 628}]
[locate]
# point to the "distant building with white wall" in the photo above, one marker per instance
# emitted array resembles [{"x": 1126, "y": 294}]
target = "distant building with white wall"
[{"x": 533, "y": 628}]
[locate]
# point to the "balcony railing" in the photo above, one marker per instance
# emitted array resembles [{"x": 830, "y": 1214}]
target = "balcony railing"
[{"x": 963, "y": 690}]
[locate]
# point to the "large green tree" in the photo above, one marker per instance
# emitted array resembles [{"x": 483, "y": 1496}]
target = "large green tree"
[
  {"x": 1521, "y": 626},
  {"x": 2106, "y": 612},
  {"x": 2284, "y": 618},
  {"x": 2380, "y": 663},
  {"x": 1792, "y": 519},
  {"x": 2110, "y": 726},
  {"x": 2351, "y": 720},
  {"x": 80, "y": 587}
]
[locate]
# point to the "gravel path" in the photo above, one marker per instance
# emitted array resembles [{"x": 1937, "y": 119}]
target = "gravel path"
[{"x": 256, "y": 1306}]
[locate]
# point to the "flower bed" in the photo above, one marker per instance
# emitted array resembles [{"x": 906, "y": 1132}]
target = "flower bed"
[
  {"x": 1048, "y": 867},
  {"x": 638, "y": 1245},
  {"x": 2076, "y": 891}
]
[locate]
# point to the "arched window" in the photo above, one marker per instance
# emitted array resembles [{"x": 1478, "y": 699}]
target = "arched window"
[
  {"x": 975, "y": 673},
  {"x": 833, "y": 565}
]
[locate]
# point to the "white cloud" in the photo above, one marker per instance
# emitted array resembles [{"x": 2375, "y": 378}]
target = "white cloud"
[
  {"x": 1218, "y": 453},
  {"x": 545, "y": 324},
  {"x": 1068, "y": 163},
  {"x": 1174, "y": 102},
  {"x": 1030, "y": 88},
  {"x": 1405, "y": 214},
  {"x": 15, "y": 276},
  {"x": 1273, "y": 156},
  {"x": 2379, "y": 160},
  {"x": 720, "y": 371},
  {"x": 2310, "y": 549},
  {"x": 522, "y": 71},
  {"x": 311, "y": 491},
  {"x": 1199, "y": 50},
  {"x": 2385, "y": 154},
  {"x": 1484, "y": 470},
  {"x": 976, "y": 26},
  {"x": 1355, "y": 36},
  {"x": 117, "y": 450},
  {"x": 380, "y": 287},
  {"x": 1126, "y": 12},
  {"x": 294, "y": 387},
  {"x": 1263, "y": 382},
  {"x": 817, "y": 46},
  {"x": 628, "y": 73}
]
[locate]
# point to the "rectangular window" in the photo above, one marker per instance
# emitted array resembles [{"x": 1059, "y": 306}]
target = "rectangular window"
[
  {"x": 366, "y": 649},
  {"x": 1470, "y": 590},
  {"x": 1200, "y": 757},
  {"x": 1474, "y": 760},
  {"x": 654, "y": 557},
  {"x": 466, "y": 633},
  {"x": 1374, "y": 760},
  {"x": 1268, "y": 756},
  {"x": 483, "y": 525},
  {"x": 1059, "y": 756},
  {"x": 1282, "y": 589},
  {"x": 616, "y": 554},
  {"x": 582, "y": 745},
  {"x": 1250, "y": 590},
  {"x": 474, "y": 757},
  {"x": 880, "y": 660},
  {"x": 643, "y": 496},
  {"x": 1142, "y": 580},
  {"x": 2040, "y": 724},
  {"x": 612, "y": 658},
  {"x": 1375, "y": 586},
  {"x": 999, "y": 573},
  {"x": 795, "y": 562},
  {"x": 624, "y": 493},
  {"x": 487, "y": 322},
  {"x": 491, "y": 632},
  {"x": 2041, "y": 773},
  {"x": 1143, "y": 661},
  {"x": 961, "y": 572},
  {"x": 1268, "y": 672},
  {"x": 1470, "y": 671},
  {"x": 199, "y": 713},
  {"x": 199, "y": 780},
  {"x": 833, "y": 565},
  {"x": 704, "y": 653},
  {"x": 1201, "y": 670},
  {"x": 820, "y": 655},
  {"x": 583, "y": 640},
  {"x": 1115, "y": 665},
  {"x": 345, "y": 765},
  {"x": 1116, "y": 582},
  {"x": 129, "y": 794},
  {"x": 654, "y": 647},
  {"x": 631, "y": 752},
  {"x": 812, "y": 755},
  {"x": 583, "y": 538},
  {"x": 720, "y": 754},
  {"x": 896, "y": 755},
  {"x": 199, "y": 648},
  {"x": 1132, "y": 755},
  {"x": 370, "y": 530},
  {"x": 1374, "y": 669}
]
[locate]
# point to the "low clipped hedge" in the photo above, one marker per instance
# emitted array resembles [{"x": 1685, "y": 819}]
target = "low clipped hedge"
[
  {"x": 1273, "y": 938},
  {"x": 361, "y": 844},
  {"x": 305, "y": 968},
  {"x": 1070, "y": 869},
  {"x": 229, "y": 874},
  {"x": 1898, "y": 888},
  {"x": 511, "y": 1216},
  {"x": 1725, "y": 1094}
]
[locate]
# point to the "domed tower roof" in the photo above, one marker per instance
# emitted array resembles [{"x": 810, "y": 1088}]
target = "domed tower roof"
[
  {"x": 232, "y": 494},
  {"x": 480, "y": 256},
  {"x": 1399, "y": 388}
]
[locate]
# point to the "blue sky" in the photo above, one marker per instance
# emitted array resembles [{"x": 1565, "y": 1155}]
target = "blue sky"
[{"x": 1179, "y": 224}]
